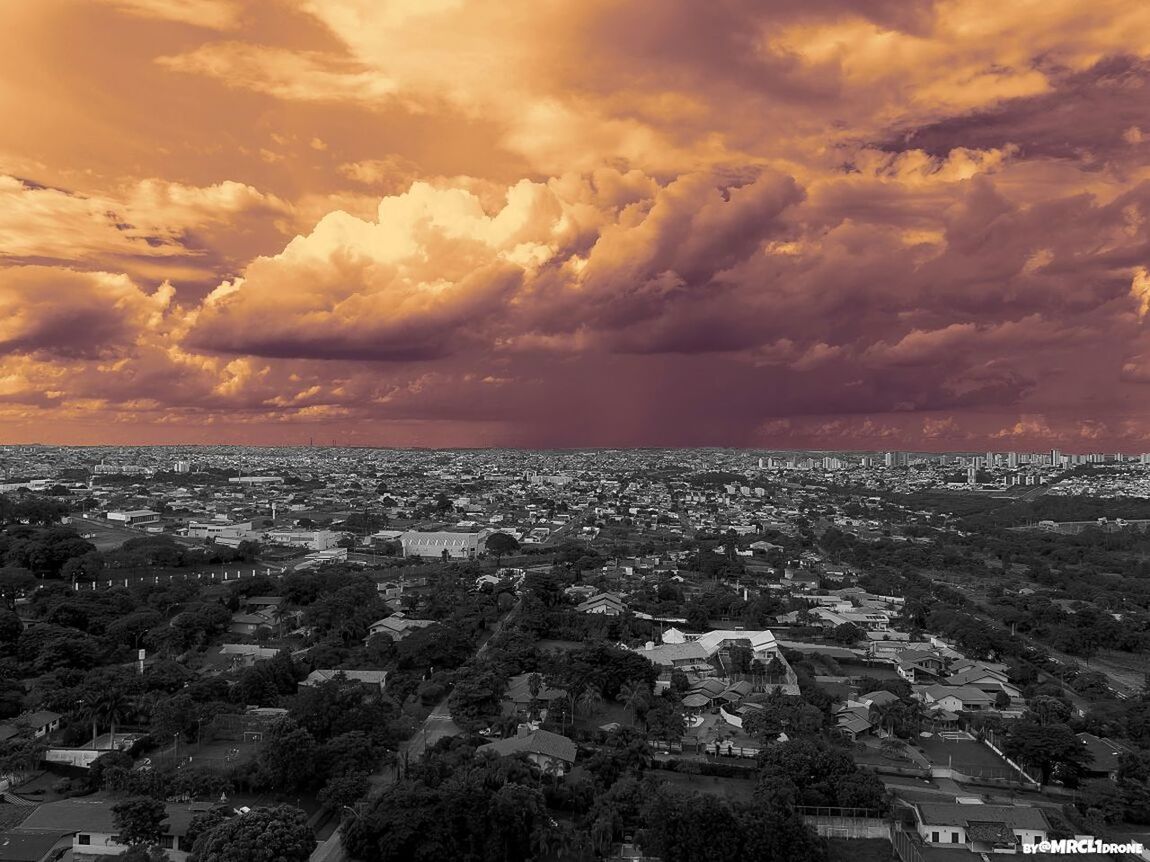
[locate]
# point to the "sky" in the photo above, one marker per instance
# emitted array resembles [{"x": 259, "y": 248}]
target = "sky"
[{"x": 866, "y": 224}]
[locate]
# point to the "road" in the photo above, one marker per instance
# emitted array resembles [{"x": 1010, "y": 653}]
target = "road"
[{"x": 438, "y": 725}]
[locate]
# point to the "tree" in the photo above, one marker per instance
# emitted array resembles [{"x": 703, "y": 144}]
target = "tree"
[
  {"x": 459, "y": 807},
  {"x": 812, "y": 772},
  {"x": 500, "y": 544},
  {"x": 139, "y": 820},
  {"x": 109, "y": 707},
  {"x": 142, "y": 853},
  {"x": 632, "y": 695},
  {"x": 1046, "y": 710},
  {"x": 278, "y": 834},
  {"x": 13, "y": 582},
  {"x": 846, "y": 633},
  {"x": 344, "y": 790},
  {"x": 590, "y": 700},
  {"x": 1052, "y": 748},
  {"x": 287, "y": 758},
  {"x": 703, "y": 828},
  {"x": 205, "y": 821},
  {"x": 665, "y": 721}
]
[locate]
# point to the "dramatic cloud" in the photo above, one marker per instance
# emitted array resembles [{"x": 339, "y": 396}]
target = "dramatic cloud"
[
  {"x": 821, "y": 223},
  {"x": 73, "y": 314}
]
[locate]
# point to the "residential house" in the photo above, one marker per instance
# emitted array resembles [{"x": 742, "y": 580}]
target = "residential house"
[
  {"x": 1106, "y": 754},
  {"x": 983, "y": 677},
  {"x": 397, "y": 626},
  {"x": 258, "y": 612},
  {"x": 605, "y": 604},
  {"x": 39, "y": 723},
  {"x": 864, "y": 619},
  {"x": 678, "y": 656},
  {"x": 853, "y": 719},
  {"x": 375, "y": 680},
  {"x": 250, "y": 623},
  {"x": 956, "y": 698},
  {"x": 92, "y": 828},
  {"x": 519, "y": 698},
  {"x": 878, "y": 699},
  {"x": 920, "y": 666},
  {"x": 33, "y": 845},
  {"x": 549, "y": 751},
  {"x": 981, "y": 828}
]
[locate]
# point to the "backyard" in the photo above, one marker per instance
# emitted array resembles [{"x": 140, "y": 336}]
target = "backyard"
[{"x": 964, "y": 755}]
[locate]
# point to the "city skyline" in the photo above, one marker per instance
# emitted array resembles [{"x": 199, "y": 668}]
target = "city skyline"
[{"x": 833, "y": 226}]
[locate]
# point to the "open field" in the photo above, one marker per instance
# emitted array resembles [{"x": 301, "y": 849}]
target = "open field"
[{"x": 104, "y": 535}]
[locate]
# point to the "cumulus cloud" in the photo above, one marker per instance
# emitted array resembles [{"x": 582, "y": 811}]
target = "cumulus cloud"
[{"x": 60, "y": 312}]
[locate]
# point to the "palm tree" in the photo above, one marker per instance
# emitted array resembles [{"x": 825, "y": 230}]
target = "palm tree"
[
  {"x": 590, "y": 699},
  {"x": 887, "y": 714},
  {"x": 534, "y": 684},
  {"x": 631, "y": 694},
  {"x": 110, "y": 707}
]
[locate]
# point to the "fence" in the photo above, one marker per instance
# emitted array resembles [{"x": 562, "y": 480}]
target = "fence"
[
  {"x": 991, "y": 739},
  {"x": 907, "y": 845},
  {"x": 675, "y": 745},
  {"x": 171, "y": 577},
  {"x": 835, "y": 822}
]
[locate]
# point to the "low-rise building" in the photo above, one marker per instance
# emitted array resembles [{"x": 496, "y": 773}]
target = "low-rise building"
[
  {"x": 441, "y": 544},
  {"x": 603, "y": 604},
  {"x": 549, "y": 751},
  {"x": 981, "y": 828},
  {"x": 397, "y": 626},
  {"x": 375, "y": 680}
]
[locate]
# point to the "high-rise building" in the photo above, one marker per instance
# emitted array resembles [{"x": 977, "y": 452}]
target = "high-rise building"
[
  {"x": 1055, "y": 458},
  {"x": 1012, "y": 460},
  {"x": 972, "y": 474}
]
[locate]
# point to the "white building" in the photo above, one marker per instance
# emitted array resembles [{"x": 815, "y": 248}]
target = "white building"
[
  {"x": 218, "y": 530},
  {"x": 316, "y": 540},
  {"x": 135, "y": 518},
  {"x": 440, "y": 544}
]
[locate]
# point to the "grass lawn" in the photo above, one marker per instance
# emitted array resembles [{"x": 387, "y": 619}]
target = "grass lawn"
[
  {"x": 860, "y": 850},
  {"x": 740, "y": 789},
  {"x": 943, "y": 752}
]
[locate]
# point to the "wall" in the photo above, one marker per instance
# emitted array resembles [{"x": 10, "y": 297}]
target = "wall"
[{"x": 81, "y": 757}]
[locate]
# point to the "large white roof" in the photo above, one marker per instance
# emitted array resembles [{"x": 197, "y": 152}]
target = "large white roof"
[{"x": 760, "y": 641}]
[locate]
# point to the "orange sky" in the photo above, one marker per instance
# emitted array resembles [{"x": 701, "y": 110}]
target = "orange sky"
[{"x": 828, "y": 223}]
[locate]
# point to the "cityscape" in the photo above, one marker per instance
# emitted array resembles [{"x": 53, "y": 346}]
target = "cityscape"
[
  {"x": 574, "y": 431},
  {"x": 572, "y": 654}
]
